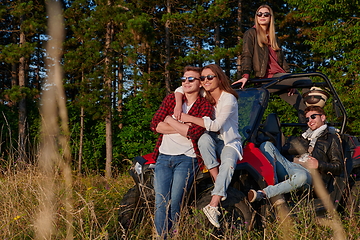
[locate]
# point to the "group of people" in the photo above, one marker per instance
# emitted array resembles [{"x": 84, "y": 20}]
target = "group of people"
[{"x": 198, "y": 124}]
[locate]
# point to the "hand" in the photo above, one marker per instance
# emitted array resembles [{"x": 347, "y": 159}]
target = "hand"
[
  {"x": 185, "y": 117},
  {"x": 291, "y": 91},
  {"x": 168, "y": 118},
  {"x": 311, "y": 163},
  {"x": 243, "y": 81},
  {"x": 177, "y": 111}
]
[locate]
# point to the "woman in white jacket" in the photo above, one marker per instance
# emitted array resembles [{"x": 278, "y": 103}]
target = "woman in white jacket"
[{"x": 222, "y": 139}]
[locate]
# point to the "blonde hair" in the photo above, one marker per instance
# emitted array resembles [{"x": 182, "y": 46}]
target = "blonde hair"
[{"x": 261, "y": 34}]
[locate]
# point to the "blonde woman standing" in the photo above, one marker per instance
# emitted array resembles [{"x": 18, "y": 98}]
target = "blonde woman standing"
[{"x": 263, "y": 56}]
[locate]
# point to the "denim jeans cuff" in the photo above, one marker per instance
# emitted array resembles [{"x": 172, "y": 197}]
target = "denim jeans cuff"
[{"x": 212, "y": 165}]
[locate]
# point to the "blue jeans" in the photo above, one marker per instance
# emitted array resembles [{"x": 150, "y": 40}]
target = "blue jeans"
[
  {"x": 290, "y": 175},
  {"x": 294, "y": 99},
  {"x": 173, "y": 176},
  {"x": 212, "y": 147}
]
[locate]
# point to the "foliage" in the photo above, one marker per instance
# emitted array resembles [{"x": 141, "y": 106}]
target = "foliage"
[
  {"x": 135, "y": 137},
  {"x": 150, "y": 43},
  {"x": 334, "y": 36}
]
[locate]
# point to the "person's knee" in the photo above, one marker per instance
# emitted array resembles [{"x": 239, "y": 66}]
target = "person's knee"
[
  {"x": 205, "y": 140},
  {"x": 227, "y": 165},
  {"x": 300, "y": 178},
  {"x": 229, "y": 156},
  {"x": 266, "y": 147},
  {"x": 228, "y": 162}
]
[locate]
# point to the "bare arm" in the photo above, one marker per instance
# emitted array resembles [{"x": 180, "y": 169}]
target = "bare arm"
[
  {"x": 195, "y": 120},
  {"x": 242, "y": 81},
  {"x": 180, "y": 128},
  {"x": 165, "y": 128},
  {"x": 178, "y": 105}
]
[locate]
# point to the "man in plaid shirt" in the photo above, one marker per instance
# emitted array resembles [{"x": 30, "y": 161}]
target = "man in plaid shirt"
[{"x": 176, "y": 153}]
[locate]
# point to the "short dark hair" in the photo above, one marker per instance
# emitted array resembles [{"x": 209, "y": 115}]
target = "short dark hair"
[
  {"x": 192, "y": 68},
  {"x": 317, "y": 109}
]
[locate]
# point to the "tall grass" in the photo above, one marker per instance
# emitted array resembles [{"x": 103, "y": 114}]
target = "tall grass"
[
  {"x": 95, "y": 205},
  {"x": 300, "y": 222},
  {"x": 95, "y": 213},
  {"x": 49, "y": 202}
]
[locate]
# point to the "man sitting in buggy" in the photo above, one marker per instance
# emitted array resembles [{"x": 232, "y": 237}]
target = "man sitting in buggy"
[{"x": 317, "y": 148}]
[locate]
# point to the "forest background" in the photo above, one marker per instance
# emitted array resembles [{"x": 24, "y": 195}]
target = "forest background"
[{"x": 120, "y": 58}]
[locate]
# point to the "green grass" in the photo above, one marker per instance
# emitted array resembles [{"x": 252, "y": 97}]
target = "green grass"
[{"x": 95, "y": 204}]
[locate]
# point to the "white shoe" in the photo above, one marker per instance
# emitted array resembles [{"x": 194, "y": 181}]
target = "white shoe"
[{"x": 212, "y": 214}]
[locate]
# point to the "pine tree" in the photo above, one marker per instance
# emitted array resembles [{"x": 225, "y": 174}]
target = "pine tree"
[
  {"x": 332, "y": 30},
  {"x": 22, "y": 24}
]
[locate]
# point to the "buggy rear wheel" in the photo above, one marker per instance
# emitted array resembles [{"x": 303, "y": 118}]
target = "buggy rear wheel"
[
  {"x": 128, "y": 209},
  {"x": 136, "y": 206}
]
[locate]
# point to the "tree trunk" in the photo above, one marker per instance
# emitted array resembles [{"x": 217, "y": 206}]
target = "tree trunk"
[
  {"x": 217, "y": 40},
  {"x": 238, "y": 60},
  {"x": 109, "y": 147},
  {"x": 120, "y": 89},
  {"x": 167, "y": 50},
  {"x": 22, "y": 106},
  {"x": 108, "y": 86},
  {"x": 14, "y": 79},
  {"x": 81, "y": 140}
]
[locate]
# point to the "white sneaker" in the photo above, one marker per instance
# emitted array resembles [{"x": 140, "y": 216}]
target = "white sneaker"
[{"x": 212, "y": 214}]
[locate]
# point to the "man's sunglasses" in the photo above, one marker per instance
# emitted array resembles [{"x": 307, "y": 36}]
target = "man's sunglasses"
[
  {"x": 266, "y": 14},
  {"x": 313, "y": 116},
  {"x": 190, "y": 79},
  {"x": 209, "y": 77}
]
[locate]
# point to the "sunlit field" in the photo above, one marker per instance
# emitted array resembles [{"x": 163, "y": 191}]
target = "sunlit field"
[
  {"x": 44, "y": 199},
  {"x": 95, "y": 214},
  {"x": 95, "y": 204}
]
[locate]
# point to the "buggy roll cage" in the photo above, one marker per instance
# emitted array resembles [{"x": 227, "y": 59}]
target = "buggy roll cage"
[{"x": 267, "y": 83}]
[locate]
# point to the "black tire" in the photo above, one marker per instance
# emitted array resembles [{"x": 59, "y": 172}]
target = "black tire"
[
  {"x": 235, "y": 210},
  {"x": 128, "y": 207},
  {"x": 136, "y": 206},
  {"x": 138, "y": 203},
  {"x": 240, "y": 216}
]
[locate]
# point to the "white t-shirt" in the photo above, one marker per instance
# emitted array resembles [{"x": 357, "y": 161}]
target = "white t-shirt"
[
  {"x": 226, "y": 120},
  {"x": 176, "y": 144}
]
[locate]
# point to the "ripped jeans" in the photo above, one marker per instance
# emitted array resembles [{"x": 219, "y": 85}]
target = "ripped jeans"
[
  {"x": 290, "y": 175},
  {"x": 212, "y": 147}
]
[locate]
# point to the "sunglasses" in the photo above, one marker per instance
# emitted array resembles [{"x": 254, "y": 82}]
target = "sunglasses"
[
  {"x": 313, "y": 116},
  {"x": 209, "y": 77},
  {"x": 266, "y": 14},
  {"x": 190, "y": 79}
]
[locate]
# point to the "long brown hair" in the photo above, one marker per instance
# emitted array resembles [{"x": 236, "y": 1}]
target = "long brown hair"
[
  {"x": 224, "y": 83},
  {"x": 261, "y": 34}
]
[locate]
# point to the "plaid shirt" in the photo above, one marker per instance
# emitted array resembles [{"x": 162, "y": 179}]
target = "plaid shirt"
[{"x": 200, "y": 108}]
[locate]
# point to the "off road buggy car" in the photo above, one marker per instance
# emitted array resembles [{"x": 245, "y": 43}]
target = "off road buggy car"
[{"x": 256, "y": 125}]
